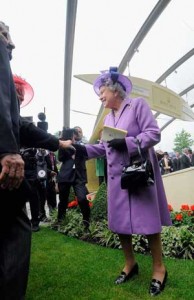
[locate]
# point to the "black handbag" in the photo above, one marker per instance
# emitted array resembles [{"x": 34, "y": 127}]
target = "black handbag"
[{"x": 138, "y": 174}]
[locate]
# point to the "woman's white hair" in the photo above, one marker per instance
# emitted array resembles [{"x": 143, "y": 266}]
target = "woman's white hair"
[{"x": 116, "y": 87}]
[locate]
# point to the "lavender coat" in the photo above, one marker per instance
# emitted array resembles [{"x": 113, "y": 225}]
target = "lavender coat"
[{"x": 147, "y": 211}]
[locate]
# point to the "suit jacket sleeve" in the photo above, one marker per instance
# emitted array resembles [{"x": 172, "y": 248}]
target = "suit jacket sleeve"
[
  {"x": 32, "y": 136},
  {"x": 65, "y": 154},
  {"x": 9, "y": 108}
]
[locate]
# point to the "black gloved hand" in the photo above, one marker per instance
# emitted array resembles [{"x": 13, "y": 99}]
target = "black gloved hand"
[
  {"x": 118, "y": 144},
  {"x": 80, "y": 150}
]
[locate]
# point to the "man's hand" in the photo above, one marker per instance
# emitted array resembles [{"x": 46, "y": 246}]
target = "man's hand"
[
  {"x": 12, "y": 173},
  {"x": 80, "y": 150},
  {"x": 65, "y": 144}
]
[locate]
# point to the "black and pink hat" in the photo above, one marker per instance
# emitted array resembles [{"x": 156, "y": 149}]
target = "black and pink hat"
[{"x": 23, "y": 86}]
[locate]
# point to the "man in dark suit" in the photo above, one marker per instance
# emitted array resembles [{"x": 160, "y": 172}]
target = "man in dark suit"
[
  {"x": 184, "y": 159},
  {"x": 15, "y": 227},
  {"x": 191, "y": 157},
  {"x": 52, "y": 172},
  {"x": 73, "y": 174},
  {"x": 176, "y": 162},
  {"x": 49, "y": 195},
  {"x": 30, "y": 174}
]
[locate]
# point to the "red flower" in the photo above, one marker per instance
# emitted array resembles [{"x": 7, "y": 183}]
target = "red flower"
[
  {"x": 192, "y": 207},
  {"x": 73, "y": 203},
  {"x": 185, "y": 207},
  {"x": 178, "y": 217},
  {"x": 170, "y": 207}
]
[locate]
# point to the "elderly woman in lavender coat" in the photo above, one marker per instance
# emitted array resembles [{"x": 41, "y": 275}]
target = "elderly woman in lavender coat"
[{"x": 143, "y": 212}]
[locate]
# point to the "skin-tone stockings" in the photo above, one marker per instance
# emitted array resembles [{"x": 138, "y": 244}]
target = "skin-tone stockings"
[{"x": 155, "y": 245}]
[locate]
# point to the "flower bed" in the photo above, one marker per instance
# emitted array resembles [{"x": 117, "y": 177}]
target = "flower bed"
[
  {"x": 183, "y": 217},
  {"x": 177, "y": 240}
]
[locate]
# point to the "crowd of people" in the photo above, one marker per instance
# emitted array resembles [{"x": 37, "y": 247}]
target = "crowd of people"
[
  {"x": 28, "y": 173},
  {"x": 40, "y": 171},
  {"x": 175, "y": 161},
  {"x": 44, "y": 178},
  {"x": 48, "y": 176}
]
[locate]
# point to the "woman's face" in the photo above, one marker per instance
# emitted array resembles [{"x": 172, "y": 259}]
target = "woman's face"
[{"x": 107, "y": 97}]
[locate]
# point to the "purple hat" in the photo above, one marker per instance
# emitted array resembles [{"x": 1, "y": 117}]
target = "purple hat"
[{"x": 111, "y": 77}]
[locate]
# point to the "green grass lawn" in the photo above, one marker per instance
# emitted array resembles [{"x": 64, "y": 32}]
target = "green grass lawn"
[{"x": 64, "y": 268}]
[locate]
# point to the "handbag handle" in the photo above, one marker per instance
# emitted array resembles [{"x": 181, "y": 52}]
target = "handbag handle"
[{"x": 139, "y": 151}]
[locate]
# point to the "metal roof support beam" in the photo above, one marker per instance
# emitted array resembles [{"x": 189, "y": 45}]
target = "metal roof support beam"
[
  {"x": 153, "y": 16},
  {"x": 191, "y": 87},
  {"x": 156, "y": 114},
  {"x": 69, "y": 43},
  {"x": 175, "y": 66},
  {"x": 167, "y": 123}
]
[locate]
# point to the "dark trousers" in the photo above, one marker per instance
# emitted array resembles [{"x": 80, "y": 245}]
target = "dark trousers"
[
  {"x": 47, "y": 193},
  {"x": 42, "y": 197},
  {"x": 34, "y": 200},
  {"x": 15, "y": 243},
  {"x": 51, "y": 195},
  {"x": 80, "y": 191}
]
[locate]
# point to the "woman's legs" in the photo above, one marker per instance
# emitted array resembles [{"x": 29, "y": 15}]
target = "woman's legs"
[
  {"x": 126, "y": 243},
  {"x": 155, "y": 245},
  {"x": 159, "y": 273}
]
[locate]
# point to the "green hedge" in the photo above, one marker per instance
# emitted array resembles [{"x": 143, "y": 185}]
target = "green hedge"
[{"x": 99, "y": 208}]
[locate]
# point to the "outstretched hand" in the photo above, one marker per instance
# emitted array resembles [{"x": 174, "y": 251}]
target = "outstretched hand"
[
  {"x": 80, "y": 150},
  {"x": 66, "y": 144},
  {"x": 118, "y": 144},
  {"x": 12, "y": 172}
]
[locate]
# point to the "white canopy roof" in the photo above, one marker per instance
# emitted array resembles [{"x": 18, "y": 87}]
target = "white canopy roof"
[{"x": 152, "y": 40}]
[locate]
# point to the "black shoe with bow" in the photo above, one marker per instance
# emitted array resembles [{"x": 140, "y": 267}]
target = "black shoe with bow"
[
  {"x": 156, "y": 287},
  {"x": 123, "y": 277}
]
